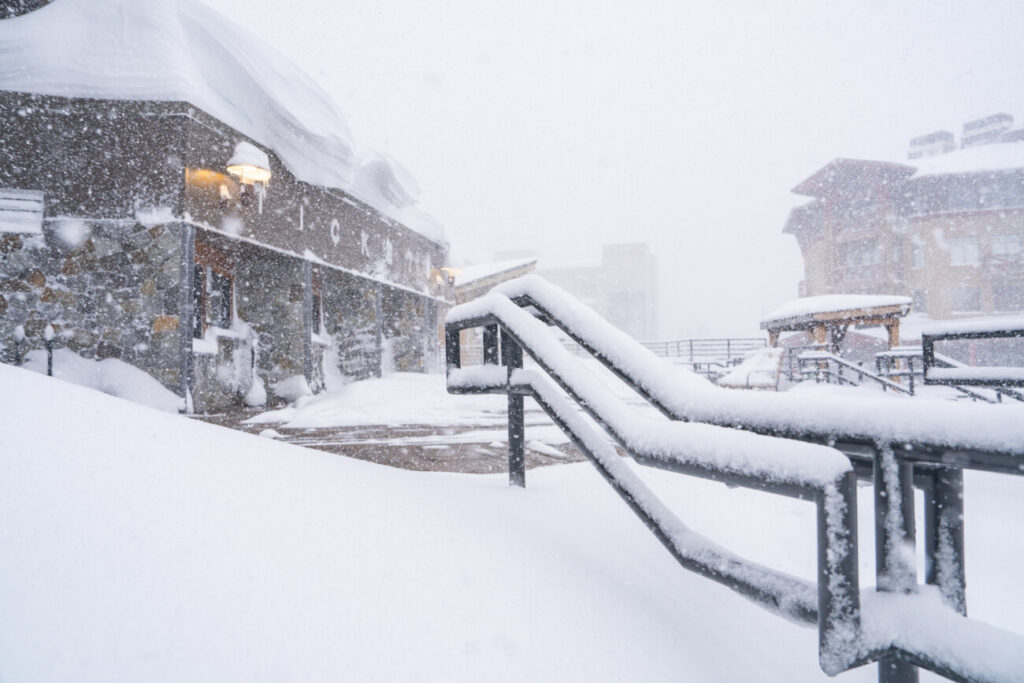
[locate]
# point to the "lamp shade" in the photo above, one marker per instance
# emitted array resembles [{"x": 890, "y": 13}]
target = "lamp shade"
[{"x": 249, "y": 164}]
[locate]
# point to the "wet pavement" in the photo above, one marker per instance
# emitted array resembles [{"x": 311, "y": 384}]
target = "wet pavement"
[{"x": 452, "y": 448}]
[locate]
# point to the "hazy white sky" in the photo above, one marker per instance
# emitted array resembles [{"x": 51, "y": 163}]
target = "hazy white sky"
[{"x": 560, "y": 126}]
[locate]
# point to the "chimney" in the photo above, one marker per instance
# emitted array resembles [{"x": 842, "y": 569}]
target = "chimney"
[
  {"x": 986, "y": 130},
  {"x": 939, "y": 142}
]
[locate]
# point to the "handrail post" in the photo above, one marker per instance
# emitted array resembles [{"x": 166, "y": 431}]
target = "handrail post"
[
  {"x": 944, "y": 536},
  {"x": 894, "y": 532},
  {"x": 491, "y": 345},
  {"x": 838, "y": 582},
  {"x": 452, "y": 349},
  {"x": 512, "y": 358}
]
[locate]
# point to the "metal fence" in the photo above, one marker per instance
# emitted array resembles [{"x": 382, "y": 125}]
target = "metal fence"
[{"x": 697, "y": 350}]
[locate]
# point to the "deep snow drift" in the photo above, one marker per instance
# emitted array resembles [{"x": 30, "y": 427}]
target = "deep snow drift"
[{"x": 138, "y": 545}]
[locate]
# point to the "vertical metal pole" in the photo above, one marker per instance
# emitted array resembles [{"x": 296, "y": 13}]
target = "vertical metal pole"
[
  {"x": 691, "y": 352},
  {"x": 910, "y": 369},
  {"x": 894, "y": 543},
  {"x": 838, "y": 600},
  {"x": 187, "y": 313},
  {"x": 452, "y": 349},
  {"x": 512, "y": 357},
  {"x": 944, "y": 537},
  {"x": 49, "y": 358},
  {"x": 307, "y": 323},
  {"x": 491, "y": 345},
  {"x": 379, "y": 312}
]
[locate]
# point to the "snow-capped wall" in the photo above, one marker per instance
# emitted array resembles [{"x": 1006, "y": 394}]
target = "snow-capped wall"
[{"x": 182, "y": 50}]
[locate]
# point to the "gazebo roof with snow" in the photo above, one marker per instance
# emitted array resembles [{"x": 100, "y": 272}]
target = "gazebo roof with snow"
[{"x": 828, "y": 316}]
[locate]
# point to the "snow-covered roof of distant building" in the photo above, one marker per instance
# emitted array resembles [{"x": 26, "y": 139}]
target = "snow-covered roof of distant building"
[
  {"x": 853, "y": 305},
  {"x": 182, "y": 50},
  {"x": 840, "y": 175},
  {"x": 999, "y": 156},
  {"x": 482, "y": 271}
]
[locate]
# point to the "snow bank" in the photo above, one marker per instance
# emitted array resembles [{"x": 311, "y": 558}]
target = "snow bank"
[
  {"x": 759, "y": 370},
  {"x": 111, "y": 376},
  {"x": 182, "y": 50},
  {"x": 142, "y": 546}
]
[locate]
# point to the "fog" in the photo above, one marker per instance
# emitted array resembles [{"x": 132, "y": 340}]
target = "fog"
[{"x": 561, "y": 126}]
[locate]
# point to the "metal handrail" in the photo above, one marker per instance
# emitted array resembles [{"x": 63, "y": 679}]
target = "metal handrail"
[
  {"x": 895, "y": 464},
  {"x": 830, "y": 358},
  {"x": 836, "y": 607}
]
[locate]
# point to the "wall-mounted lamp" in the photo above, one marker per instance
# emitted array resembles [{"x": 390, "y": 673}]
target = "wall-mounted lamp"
[{"x": 250, "y": 165}]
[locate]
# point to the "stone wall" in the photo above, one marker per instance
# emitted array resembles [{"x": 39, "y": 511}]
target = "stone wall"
[{"x": 110, "y": 290}]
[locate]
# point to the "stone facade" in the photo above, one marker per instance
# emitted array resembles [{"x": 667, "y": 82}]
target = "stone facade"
[
  {"x": 149, "y": 252},
  {"x": 109, "y": 289}
]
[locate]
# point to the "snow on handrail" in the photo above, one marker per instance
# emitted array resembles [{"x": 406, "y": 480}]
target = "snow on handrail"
[
  {"x": 926, "y": 631},
  {"x": 791, "y": 596},
  {"x": 686, "y": 396},
  {"x": 777, "y": 465},
  {"x": 744, "y": 454}
]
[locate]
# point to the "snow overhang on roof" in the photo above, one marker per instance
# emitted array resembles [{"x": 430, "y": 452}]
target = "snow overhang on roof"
[
  {"x": 840, "y": 176},
  {"x": 184, "y": 51},
  {"x": 990, "y": 158},
  {"x": 471, "y": 275},
  {"x": 805, "y": 312}
]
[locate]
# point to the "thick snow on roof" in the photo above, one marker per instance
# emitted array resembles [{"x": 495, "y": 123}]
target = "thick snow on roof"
[
  {"x": 831, "y": 303},
  {"x": 483, "y": 270},
  {"x": 995, "y": 157},
  {"x": 975, "y": 325},
  {"x": 182, "y": 50}
]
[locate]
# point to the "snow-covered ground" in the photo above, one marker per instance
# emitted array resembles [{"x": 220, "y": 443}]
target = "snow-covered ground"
[{"x": 138, "y": 545}]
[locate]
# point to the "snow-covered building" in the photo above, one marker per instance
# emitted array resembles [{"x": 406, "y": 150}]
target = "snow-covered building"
[
  {"x": 176, "y": 194},
  {"x": 945, "y": 228}
]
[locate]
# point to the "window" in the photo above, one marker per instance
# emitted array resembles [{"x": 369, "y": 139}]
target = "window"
[
  {"x": 863, "y": 253},
  {"x": 963, "y": 251},
  {"x": 318, "y": 308},
  {"x": 917, "y": 255},
  {"x": 21, "y": 211},
  {"x": 213, "y": 299},
  {"x": 1006, "y": 246},
  {"x": 966, "y": 299},
  {"x": 1008, "y": 297}
]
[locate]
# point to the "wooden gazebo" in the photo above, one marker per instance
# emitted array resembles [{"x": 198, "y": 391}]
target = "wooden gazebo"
[{"x": 828, "y": 317}]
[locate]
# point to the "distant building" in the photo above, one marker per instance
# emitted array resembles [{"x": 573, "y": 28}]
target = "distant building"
[
  {"x": 474, "y": 281},
  {"x": 946, "y": 229},
  {"x": 623, "y": 289},
  {"x": 148, "y": 216}
]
